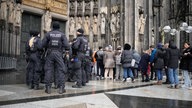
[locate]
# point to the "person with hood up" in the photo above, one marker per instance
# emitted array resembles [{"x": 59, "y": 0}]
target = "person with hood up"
[
  {"x": 173, "y": 55},
  {"x": 126, "y": 58},
  {"x": 159, "y": 62}
]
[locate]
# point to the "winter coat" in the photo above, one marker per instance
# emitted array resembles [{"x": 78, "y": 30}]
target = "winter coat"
[
  {"x": 126, "y": 58},
  {"x": 152, "y": 55},
  {"x": 173, "y": 55},
  {"x": 137, "y": 58},
  {"x": 159, "y": 59},
  {"x": 118, "y": 57},
  {"x": 143, "y": 64},
  {"x": 109, "y": 59},
  {"x": 184, "y": 59}
]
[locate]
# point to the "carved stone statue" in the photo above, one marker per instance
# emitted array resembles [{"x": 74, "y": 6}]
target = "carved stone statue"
[
  {"x": 18, "y": 12},
  {"x": 87, "y": 8},
  {"x": 47, "y": 21},
  {"x": 113, "y": 24},
  {"x": 72, "y": 9},
  {"x": 103, "y": 21},
  {"x": 79, "y": 23},
  {"x": 72, "y": 26},
  {"x": 86, "y": 25},
  {"x": 3, "y": 10},
  {"x": 141, "y": 25},
  {"x": 118, "y": 22},
  {"x": 95, "y": 25},
  {"x": 79, "y": 8},
  {"x": 11, "y": 16}
]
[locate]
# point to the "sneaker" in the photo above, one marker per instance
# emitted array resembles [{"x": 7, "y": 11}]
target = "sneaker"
[
  {"x": 124, "y": 80},
  {"x": 190, "y": 88},
  {"x": 177, "y": 86},
  {"x": 114, "y": 80},
  {"x": 171, "y": 87},
  {"x": 183, "y": 86}
]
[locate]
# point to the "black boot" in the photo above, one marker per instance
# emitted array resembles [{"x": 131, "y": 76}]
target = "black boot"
[
  {"x": 31, "y": 86},
  {"x": 132, "y": 80},
  {"x": 36, "y": 87},
  {"x": 48, "y": 89},
  {"x": 61, "y": 90},
  {"x": 76, "y": 86}
]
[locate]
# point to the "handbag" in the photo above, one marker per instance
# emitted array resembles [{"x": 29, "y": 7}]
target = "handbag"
[{"x": 133, "y": 62}]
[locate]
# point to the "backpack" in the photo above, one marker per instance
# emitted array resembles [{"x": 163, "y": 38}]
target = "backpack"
[
  {"x": 100, "y": 54},
  {"x": 84, "y": 44}
]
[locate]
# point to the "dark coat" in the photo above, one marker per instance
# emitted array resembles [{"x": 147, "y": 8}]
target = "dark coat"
[
  {"x": 184, "y": 59},
  {"x": 159, "y": 59},
  {"x": 173, "y": 55},
  {"x": 126, "y": 57},
  {"x": 143, "y": 64},
  {"x": 190, "y": 61}
]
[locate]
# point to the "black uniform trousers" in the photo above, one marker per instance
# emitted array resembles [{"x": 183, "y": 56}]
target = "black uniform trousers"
[{"x": 54, "y": 61}]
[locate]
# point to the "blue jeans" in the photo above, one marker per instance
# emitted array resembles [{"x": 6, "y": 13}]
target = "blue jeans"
[
  {"x": 160, "y": 74},
  {"x": 127, "y": 71},
  {"x": 173, "y": 76},
  {"x": 187, "y": 81}
]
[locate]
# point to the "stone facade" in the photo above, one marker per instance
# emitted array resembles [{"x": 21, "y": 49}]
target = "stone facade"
[
  {"x": 106, "y": 22},
  {"x": 15, "y": 25}
]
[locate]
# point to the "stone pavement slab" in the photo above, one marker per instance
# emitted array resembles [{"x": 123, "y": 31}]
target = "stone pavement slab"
[{"x": 19, "y": 93}]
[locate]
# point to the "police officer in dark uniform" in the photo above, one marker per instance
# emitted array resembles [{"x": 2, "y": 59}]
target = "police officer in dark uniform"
[
  {"x": 80, "y": 46},
  {"x": 56, "y": 44},
  {"x": 33, "y": 51}
]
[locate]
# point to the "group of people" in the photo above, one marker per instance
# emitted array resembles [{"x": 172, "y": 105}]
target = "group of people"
[
  {"x": 49, "y": 60},
  {"x": 169, "y": 59},
  {"x": 124, "y": 63},
  {"x": 56, "y": 60}
]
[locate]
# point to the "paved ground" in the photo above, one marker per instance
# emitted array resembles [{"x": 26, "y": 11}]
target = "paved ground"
[{"x": 97, "y": 94}]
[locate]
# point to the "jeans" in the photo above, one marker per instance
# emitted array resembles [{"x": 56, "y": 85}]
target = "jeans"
[
  {"x": 119, "y": 72},
  {"x": 128, "y": 71},
  {"x": 159, "y": 74},
  {"x": 187, "y": 81},
  {"x": 173, "y": 76}
]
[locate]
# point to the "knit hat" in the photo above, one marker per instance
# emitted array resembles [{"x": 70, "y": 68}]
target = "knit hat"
[{"x": 159, "y": 45}]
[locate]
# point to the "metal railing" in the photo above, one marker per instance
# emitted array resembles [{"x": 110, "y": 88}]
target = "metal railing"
[{"x": 7, "y": 62}]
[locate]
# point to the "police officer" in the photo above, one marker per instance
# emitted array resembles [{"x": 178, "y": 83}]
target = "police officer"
[
  {"x": 80, "y": 46},
  {"x": 33, "y": 50},
  {"x": 56, "y": 43}
]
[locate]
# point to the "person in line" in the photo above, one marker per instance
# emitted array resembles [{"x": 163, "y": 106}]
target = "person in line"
[
  {"x": 126, "y": 58},
  {"x": 185, "y": 61},
  {"x": 109, "y": 62},
  {"x": 143, "y": 65},
  {"x": 100, "y": 65},
  {"x": 173, "y": 56},
  {"x": 159, "y": 62},
  {"x": 119, "y": 69}
]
